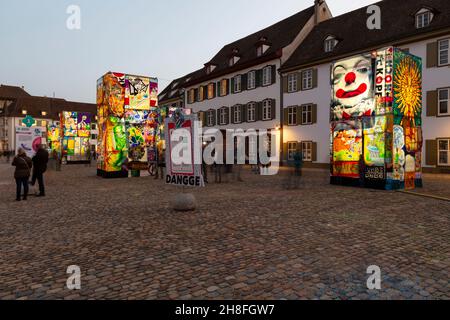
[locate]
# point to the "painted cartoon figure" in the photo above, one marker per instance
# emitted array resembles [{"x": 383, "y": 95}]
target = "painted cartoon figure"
[{"x": 352, "y": 88}]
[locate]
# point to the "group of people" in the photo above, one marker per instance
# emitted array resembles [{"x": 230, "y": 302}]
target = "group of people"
[{"x": 26, "y": 167}]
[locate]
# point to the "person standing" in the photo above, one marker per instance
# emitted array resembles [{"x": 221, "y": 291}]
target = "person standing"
[
  {"x": 23, "y": 166},
  {"x": 40, "y": 161}
]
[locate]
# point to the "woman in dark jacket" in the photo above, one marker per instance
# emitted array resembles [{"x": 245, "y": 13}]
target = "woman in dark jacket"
[{"x": 23, "y": 166}]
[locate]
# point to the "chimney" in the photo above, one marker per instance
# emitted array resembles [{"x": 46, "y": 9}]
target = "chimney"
[{"x": 317, "y": 7}]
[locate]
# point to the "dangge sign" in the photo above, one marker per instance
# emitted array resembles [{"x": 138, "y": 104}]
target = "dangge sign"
[{"x": 184, "y": 152}]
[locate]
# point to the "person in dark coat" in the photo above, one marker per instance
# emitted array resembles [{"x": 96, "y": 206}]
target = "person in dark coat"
[
  {"x": 23, "y": 166},
  {"x": 40, "y": 161}
]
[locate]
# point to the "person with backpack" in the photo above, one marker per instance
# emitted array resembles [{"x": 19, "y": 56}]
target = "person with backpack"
[{"x": 22, "y": 172}]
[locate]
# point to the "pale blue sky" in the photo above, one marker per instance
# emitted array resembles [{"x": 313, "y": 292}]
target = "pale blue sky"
[{"x": 164, "y": 39}]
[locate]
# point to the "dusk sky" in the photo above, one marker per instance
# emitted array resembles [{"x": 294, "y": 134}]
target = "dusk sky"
[{"x": 163, "y": 39}]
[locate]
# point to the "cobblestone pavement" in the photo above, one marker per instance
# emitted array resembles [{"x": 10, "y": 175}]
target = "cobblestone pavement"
[{"x": 248, "y": 240}]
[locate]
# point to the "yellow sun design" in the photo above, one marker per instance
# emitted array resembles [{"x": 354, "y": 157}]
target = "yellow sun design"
[{"x": 407, "y": 86}]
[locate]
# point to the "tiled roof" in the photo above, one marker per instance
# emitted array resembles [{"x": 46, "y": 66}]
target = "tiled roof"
[
  {"x": 12, "y": 92},
  {"x": 397, "y": 23},
  {"x": 277, "y": 36}
]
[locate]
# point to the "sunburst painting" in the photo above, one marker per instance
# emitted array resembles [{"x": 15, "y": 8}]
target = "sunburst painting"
[{"x": 407, "y": 86}]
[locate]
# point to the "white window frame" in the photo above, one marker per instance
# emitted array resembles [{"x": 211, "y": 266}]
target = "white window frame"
[
  {"x": 292, "y": 116},
  {"x": 439, "y": 150},
  {"x": 210, "y": 118},
  {"x": 291, "y": 150},
  {"x": 267, "y": 110},
  {"x": 329, "y": 44},
  {"x": 306, "y": 112},
  {"x": 237, "y": 84},
  {"x": 442, "y": 100},
  {"x": 443, "y": 49},
  {"x": 307, "y": 79},
  {"x": 423, "y": 18},
  {"x": 251, "y": 80},
  {"x": 237, "y": 114},
  {"x": 292, "y": 82},
  {"x": 222, "y": 116},
  {"x": 251, "y": 112},
  {"x": 267, "y": 76},
  {"x": 307, "y": 149}
]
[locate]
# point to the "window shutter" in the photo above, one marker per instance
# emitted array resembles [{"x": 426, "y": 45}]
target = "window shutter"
[
  {"x": 258, "y": 111},
  {"x": 205, "y": 92},
  {"x": 314, "y": 113},
  {"x": 232, "y": 85},
  {"x": 219, "y": 85},
  {"x": 195, "y": 95},
  {"x": 299, "y": 79},
  {"x": 431, "y": 152},
  {"x": 314, "y": 78},
  {"x": 274, "y": 74},
  {"x": 285, "y": 84},
  {"x": 285, "y": 151},
  {"x": 299, "y": 115},
  {"x": 273, "y": 111},
  {"x": 258, "y": 78},
  {"x": 204, "y": 118},
  {"x": 300, "y": 84},
  {"x": 432, "y": 54},
  {"x": 432, "y": 103},
  {"x": 286, "y": 116},
  {"x": 314, "y": 151},
  {"x": 244, "y": 113},
  {"x": 232, "y": 114},
  {"x": 214, "y": 90},
  {"x": 228, "y": 87},
  {"x": 215, "y": 114},
  {"x": 227, "y": 115},
  {"x": 244, "y": 78}
]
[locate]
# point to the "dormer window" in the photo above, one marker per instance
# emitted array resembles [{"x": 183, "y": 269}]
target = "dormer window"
[
  {"x": 174, "y": 85},
  {"x": 330, "y": 43},
  {"x": 233, "y": 60},
  {"x": 24, "y": 112},
  {"x": 210, "y": 68},
  {"x": 423, "y": 18},
  {"x": 44, "y": 113},
  {"x": 260, "y": 50}
]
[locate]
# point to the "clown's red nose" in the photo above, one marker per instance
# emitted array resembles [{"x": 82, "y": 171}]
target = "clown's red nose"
[{"x": 350, "y": 78}]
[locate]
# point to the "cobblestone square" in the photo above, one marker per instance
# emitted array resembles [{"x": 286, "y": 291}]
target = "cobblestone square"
[{"x": 247, "y": 240}]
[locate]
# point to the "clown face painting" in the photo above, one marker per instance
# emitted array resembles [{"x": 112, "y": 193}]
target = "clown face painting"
[{"x": 352, "y": 83}]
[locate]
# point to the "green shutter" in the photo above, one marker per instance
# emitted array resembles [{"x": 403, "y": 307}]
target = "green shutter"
[
  {"x": 274, "y": 74},
  {"x": 299, "y": 115},
  {"x": 431, "y": 152},
  {"x": 286, "y": 116},
  {"x": 432, "y": 54},
  {"x": 219, "y": 85},
  {"x": 244, "y": 78},
  {"x": 432, "y": 103},
  {"x": 285, "y": 84},
  {"x": 232, "y": 114},
  {"x": 258, "y": 111},
  {"x": 314, "y": 151},
  {"x": 214, "y": 90},
  {"x": 258, "y": 78},
  {"x": 273, "y": 111},
  {"x": 299, "y": 79},
  {"x": 285, "y": 151},
  {"x": 227, "y": 115},
  {"x": 232, "y": 85},
  {"x": 314, "y": 113},
  {"x": 314, "y": 78},
  {"x": 244, "y": 113}
]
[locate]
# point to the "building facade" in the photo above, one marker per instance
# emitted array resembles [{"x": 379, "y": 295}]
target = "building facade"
[
  {"x": 423, "y": 30},
  {"x": 16, "y": 104},
  {"x": 240, "y": 87}
]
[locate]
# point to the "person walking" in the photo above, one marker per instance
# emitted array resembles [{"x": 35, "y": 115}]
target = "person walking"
[
  {"x": 40, "y": 161},
  {"x": 161, "y": 164},
  {"x": 22, "y": 172}
]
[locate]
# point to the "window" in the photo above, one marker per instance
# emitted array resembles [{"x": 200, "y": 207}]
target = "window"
[
  {"x": 444, "y": 152},
  {"x": 307, "y": 150},
  {"x": 251, "y": 112},
  {"x": 292, "y": 149},
  {"x": 237, "y": 84},
  {"x": 43, "y": 123},
  {"x": 201, "y": 93},
  {"x": 237, "y": 115},
  {"x": 259, "y": 51},
  {"x": 210, "y": 118},
  {"x": 307, "y": 79},
  {"x": 329, "y": 44},
  {"x": 211, "y": 91},
  {"x": 267, "y": 110},
  {"x": 292, "y": 82},
  {"x": 24, "y": 112},
  {"x": 223, "y": 87},
  {"x": 307, "y": 114},
  {"x": 210, "y": 68},
  {"x": 231, "y": 62},
  {"x": 267, "y": 76},
  {"x": 44, "y": 113},
  {"x": 251, "y": 80},
  {"x": 223, "y": 116},
  {"x": 423, "y": 18},
  {"x": 444, "y": 52},
  {"x": 444, "y": 108},
  {"x": 292, "y": 116}
]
